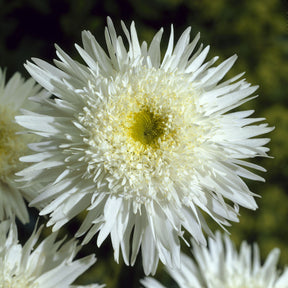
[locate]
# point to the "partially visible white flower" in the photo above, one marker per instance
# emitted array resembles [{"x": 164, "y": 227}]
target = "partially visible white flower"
[
  {"x": 144, "y": 145},
  {"x": 220, "y": 266},
  {"x": 46, "y": 265},
  {"x": 13, "y": 97},
  {"x": 150, "y": 282}
]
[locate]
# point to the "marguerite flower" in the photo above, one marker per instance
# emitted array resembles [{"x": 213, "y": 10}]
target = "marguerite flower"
[
  {"x": 13, "y": 145},
  {"x": 143, "y": 144},
  {"x": 49, "y": 265},
  {"x": 221, "y": 266}
]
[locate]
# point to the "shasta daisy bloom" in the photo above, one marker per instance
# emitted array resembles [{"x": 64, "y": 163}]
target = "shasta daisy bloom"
[
  {"x": 143, "y": 144},
  {"x": 13, "y": 97},
  {"x": 49, "y": 264},
  {"x": 221, "y": 266}
]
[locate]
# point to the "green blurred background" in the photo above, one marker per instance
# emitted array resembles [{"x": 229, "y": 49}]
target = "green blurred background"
[{"x": 256, "y": 30}]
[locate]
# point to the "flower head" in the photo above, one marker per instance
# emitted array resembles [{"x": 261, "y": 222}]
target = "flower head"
[
  {"x": 143, "y": 145},
  {"x": 48, "y": 265},
  {"x": 221, "y": 266},
  {"x": 13, "y": 97}
]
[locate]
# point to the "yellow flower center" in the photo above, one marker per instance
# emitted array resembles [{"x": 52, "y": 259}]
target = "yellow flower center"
[
  {"x": 12, "y": 145},
  {"x": 18, "y": 281},
  {"x": 143, "y": 133},
  {"x": 147, "y": 127}
]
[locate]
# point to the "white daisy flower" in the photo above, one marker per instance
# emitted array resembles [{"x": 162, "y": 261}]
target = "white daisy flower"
[
  {"x": 143, "y": 144},
  {"x": 13, "y": 97},
  {"x": 221, "y": 266},
  {"x": 49, "y": 265}
]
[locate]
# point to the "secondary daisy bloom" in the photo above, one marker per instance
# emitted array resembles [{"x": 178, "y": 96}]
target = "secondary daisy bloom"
[
  {"x": 13, "y": 97},
  {"x": 144, "y": 145},
  {"x": 49, "y": 264},
  {"x": 221, "y": 266}
]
